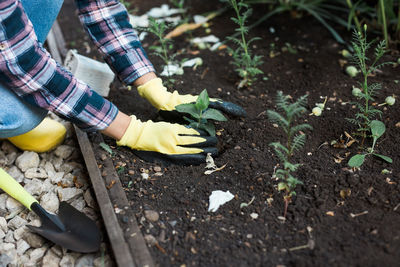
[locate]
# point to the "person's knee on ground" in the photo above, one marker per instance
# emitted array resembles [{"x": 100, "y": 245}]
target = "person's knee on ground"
[{"x": 44, "y": 137}]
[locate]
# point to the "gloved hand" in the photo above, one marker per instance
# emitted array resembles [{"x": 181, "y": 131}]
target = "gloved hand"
[
  {"x": 160, "y": 98},
  {"x": 168, "y": 143}
]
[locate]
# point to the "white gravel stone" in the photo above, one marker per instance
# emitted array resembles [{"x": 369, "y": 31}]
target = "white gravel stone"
[
  {"x": 67, "y": 261},
  {"x": 47, "y": 186},
  {"x": 34, "y": 240},
  {"x": 48, "y": 166},
  {"x": 3, "y": 159},
  {"x": 9, "y": 250},
  {"x": 78, "y": 203},
  {"x": 27, "y": 160},
  {"x": 3, "y": 200},
  {"x": 16, "y": 174},
  {"x": 34, "y": 186},
  {"x": 3, "y": 224},
  {"x": 2, "y": 234},
  {"x": 50, "y": 259},
  {"x": 64, "y": 151},
  {"x": 11, "y": 157},
  {"x": 5, "y": 260},
  {"x": 89, "y": 199},
  {"x": 65, "y": 194},
  {"x": 68, "y": 180},
  {"x": 13, "y": 206},
  {"x": 16, "y": 222},
  {"x": 56, "y": 161},
  {"x": 20, "y": 232},
  {"x": 67, "y": 167},
  {"x": 36, "y": 173},
  {"x": 23, "y": 260},
  {"x": 9, "y": 238},
  {"x": 84, "y": 261},
  {"x": 56, "y": 177},
  {"x": 37, "y": 254},
  {"x": 50, "y": 202},
  {"x": 8, "y": 148},
  {"x": 22, "y": 246}
]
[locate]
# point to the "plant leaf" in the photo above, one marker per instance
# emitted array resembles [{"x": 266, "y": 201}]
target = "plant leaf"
[
  {"x": 188, "y": 108},
  {"x": 385, "y": 158},
  {"x": 106, "y": 148},
  {"x": 208, "y": 127},
  {"x": 356, "y": 160},
  {"x": 213, "y": 114},
  {"x": 203, "y": 101},
  {"x": 377, "y": 128}
]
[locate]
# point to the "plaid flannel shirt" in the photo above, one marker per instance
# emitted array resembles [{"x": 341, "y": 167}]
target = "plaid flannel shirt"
[{"x": 29, "y": 70}]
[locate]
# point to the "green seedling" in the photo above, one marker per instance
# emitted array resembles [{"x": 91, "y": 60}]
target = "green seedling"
[
  {"x": 201, "y": 113},
  {"x": 165, "y": 48},
  {"x": 285, "y": 117},
  {"x": 106, "y": 148},
  {"x": 180, "y": 4},
  {"x": 377, "y": 130},
  {"x": 366, "y": 93},
  {"x": 246, "y": 64}
]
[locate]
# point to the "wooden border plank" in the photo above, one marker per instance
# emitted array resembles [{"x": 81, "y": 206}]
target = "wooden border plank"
[
  {"x": 133, "y": 235},
  {"x": 121, "y": 251}
]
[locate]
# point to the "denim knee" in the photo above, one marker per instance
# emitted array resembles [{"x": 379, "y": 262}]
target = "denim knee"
[{"x": 42, "y": 14}]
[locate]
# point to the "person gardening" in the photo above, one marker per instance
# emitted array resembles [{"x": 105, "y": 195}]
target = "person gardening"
[{"x": 33, "y": 83}]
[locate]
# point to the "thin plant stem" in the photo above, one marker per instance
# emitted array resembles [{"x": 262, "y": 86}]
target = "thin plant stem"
[
  {"x": 398, "y": 19},
  {"x": 384, "y": 24},
  {"x": 355, "y": 18}
]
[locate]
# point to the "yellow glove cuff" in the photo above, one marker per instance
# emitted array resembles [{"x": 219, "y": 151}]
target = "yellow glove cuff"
[{"x": 160, "y": 98}]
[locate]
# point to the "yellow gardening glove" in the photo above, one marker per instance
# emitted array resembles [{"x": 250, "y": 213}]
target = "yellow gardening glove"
[
  {"x": 167, "y": 143},
  {"x": 160, "y": 98}
]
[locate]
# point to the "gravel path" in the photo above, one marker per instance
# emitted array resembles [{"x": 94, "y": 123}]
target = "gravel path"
[{"x": 58, "y": 175}]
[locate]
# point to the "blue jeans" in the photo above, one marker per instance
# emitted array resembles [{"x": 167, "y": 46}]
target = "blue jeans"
[{"x": 16, "y": 116}]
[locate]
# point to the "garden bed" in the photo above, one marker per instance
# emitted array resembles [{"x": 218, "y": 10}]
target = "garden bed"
[{"x": 324, "y": 226}]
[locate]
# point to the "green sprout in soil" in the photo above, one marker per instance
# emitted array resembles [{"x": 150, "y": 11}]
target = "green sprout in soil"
[
  {"x": 285, "y": 117},
  {"x": 201, "y": 113},
  {"x": 246, "y": 64},
  {"x": 165, "y": 47},
  {"x": 180, "y": 4},
  {"x": 377, "y": 130},
  {"x": 365, "y": 117}
]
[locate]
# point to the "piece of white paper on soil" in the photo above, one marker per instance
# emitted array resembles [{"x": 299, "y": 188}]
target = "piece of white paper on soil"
[{"x": 218, "y": 198}]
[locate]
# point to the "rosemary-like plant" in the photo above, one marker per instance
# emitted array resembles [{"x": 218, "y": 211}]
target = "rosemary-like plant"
[
  {"x": 165, "y": 48},
  {"x": 285, "y": 117},
  {"x": 246, "y": 64},
  {"x": 366, "y": 112}
]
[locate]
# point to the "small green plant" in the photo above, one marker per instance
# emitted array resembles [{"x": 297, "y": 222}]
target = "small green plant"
[
  {"x": 382, "y": 15},
  {"x": 201, "y": 113},
  {"x": 285, "y": 117},
  {"x": 366, "y": 112},
  {"x": 246, "y": 64},
  {"x": 377, "y": 130},
  {"x": 365, "y": 117},
  {"x": 180, "y": 4},
  {"x": 165, "y": 48}
]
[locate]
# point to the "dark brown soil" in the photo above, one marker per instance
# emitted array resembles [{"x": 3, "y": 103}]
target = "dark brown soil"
[{"x": 189, "y": 235}]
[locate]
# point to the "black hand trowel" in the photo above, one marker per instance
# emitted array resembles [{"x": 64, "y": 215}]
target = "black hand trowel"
[{"x": 70, "y": 229}]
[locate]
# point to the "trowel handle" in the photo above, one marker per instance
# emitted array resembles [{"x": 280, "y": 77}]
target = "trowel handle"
[{"x": 15, "y": 190}]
